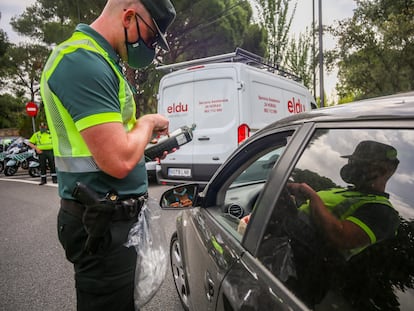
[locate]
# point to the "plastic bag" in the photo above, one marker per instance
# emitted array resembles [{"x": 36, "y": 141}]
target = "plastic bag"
[{"x": 148, "y": 238}]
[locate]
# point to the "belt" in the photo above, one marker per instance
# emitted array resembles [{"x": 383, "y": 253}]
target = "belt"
[{"x": 125, "y": 209}]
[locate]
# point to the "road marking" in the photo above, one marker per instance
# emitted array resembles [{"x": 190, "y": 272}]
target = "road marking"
[{"x": 28, "y": 182}]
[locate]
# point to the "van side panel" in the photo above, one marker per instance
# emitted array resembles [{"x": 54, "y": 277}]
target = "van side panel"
[
  {"x": 216, "y": 114},
  {"x": 218, "y": 98},
  {"x": 272, "y": 98},
  {"x": 176, "y": 103},
  {"x": 209, "y": 100}
]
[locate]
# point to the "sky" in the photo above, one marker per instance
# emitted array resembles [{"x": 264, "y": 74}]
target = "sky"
[{"x": 331, "y": 11}]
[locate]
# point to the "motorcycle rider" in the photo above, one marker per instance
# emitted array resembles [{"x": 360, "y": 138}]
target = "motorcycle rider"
[{"x": 41, "y": 141}]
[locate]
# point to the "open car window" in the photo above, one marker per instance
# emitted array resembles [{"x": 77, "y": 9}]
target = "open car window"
[
  {"x": 341, "y": 233},
  {"x": 244, "y": 187}
]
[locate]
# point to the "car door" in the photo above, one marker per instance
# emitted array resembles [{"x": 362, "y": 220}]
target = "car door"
[
  {"x": 211, "y": 237},
  {"x": 294, "y": 253},
  {"x": 249, "y": 285}
]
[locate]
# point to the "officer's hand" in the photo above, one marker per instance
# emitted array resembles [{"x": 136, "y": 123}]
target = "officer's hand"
[
  {"x": 161, "y": 125},
  {"x": 165, "y": 154}
]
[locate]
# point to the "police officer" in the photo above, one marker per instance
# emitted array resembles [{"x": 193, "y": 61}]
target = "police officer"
[
  {"x": 352, "y": 218},
  {"x": 89, "y": 103},
  {"x": 41, "y": 141}
]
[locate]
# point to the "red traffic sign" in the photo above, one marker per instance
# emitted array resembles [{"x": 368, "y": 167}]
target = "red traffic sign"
[{"x": 31, "y": 109}]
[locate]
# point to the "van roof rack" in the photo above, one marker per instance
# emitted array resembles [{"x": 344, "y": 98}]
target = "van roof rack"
[{"x": 238, "y": 56}]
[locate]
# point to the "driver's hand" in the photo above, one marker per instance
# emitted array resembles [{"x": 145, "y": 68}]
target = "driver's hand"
[
  {"x": 241, "y": 228},
  {"x": 186, "y": 203}
]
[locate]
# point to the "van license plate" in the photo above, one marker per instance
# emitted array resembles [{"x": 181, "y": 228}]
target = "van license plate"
[{"x": 182, "y": 172}]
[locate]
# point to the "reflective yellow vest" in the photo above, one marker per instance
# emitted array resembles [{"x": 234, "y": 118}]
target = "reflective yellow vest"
[
  {"x": 71, "y": 151},
  {"x": 343, "y": 203},
  {"x": 43, "y": 141}
]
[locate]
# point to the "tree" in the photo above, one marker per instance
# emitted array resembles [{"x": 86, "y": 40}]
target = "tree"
[
  {"x": 299, "y": 58},
  {"x": 11, "y": 111},
  {"x": 202, "y": 28},
  {"x": 4, "y": 46},
  {"x": 52, "y": 21},
  {"x": 206, "y": 28},
  {"x": 375, "y": 52},
  {"x": 274, "y": 18},
  {"x": 25, "y": 64},
  {"x": 285, "y": 52}
]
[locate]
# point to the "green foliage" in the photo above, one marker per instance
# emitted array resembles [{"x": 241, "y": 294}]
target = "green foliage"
[
  {"x": 12, "y": 111},
  {"x": 375, "y": 53},
  {"x": 274, "y": 18},
  {"x": 299, "y": 58},
  {"x": 4, "y": 46},
  {"x": 53, "y": 21},
  {"x": 255, "y": 40},
  {"x": 205, "y": 28},
  {"x": 25, "y": 64},
  {"x": 316, "y": 181},
  {"x": 202, "y": 28}
]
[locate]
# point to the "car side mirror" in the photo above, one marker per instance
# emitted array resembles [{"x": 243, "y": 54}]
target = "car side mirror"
[{"x": 181, "y": 196}]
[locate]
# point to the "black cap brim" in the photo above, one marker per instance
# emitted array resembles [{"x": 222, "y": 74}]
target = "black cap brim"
[{"x": 162, "y": 41}]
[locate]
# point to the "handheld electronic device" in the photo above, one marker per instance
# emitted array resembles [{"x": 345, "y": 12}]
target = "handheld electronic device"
[{"x": 175, "y": 139}]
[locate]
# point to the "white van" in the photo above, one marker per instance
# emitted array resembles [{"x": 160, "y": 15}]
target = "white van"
[{"x": 228, "y": 102}]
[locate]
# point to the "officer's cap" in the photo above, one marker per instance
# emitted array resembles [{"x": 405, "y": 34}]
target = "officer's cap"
[
  {"x": 369, "y": 150},
  {"x": 163, "y": 14}
]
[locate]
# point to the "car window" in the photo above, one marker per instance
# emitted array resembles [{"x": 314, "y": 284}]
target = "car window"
[
  {"x": 341, "y": 233},
  {"x": 252, "y": 167}
]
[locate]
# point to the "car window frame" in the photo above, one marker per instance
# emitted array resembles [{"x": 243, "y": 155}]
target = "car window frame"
[
  {"x": 213, "y": 196},
  {"x": 214, "y": 193},
  {"x": 277, "y": 178}
]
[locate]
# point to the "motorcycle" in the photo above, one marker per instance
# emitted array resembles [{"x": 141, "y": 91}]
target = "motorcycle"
[
  {"x": 4, "y": 144},
  {"x": 34, "y": 167},
  {"x": 20, "y": 155}
]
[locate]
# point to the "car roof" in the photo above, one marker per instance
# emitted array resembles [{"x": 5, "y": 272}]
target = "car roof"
[{"x": 398, "y": 106}]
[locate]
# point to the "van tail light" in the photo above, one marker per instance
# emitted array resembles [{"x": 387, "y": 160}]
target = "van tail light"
[{"x": 243, "y": 132}]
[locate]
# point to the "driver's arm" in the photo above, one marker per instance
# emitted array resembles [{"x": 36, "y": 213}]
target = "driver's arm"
[{"x": 342, "y": 234}]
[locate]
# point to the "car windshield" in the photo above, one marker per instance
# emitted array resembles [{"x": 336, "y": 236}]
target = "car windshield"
[{"x": 259, "y": 170}]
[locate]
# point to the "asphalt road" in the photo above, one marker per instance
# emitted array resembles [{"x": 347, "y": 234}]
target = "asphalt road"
[{"x": 34, "y": 272}]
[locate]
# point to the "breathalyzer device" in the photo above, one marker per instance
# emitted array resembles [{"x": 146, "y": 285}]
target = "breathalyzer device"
[{"x": 175, "y": 139}]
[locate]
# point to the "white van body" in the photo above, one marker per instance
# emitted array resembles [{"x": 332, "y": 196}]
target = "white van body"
[{"x": 224, "y": 101}]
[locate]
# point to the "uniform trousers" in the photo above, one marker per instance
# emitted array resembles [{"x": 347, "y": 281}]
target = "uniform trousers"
[
  {"x": 44, "y": 157},
  {"x": 105, "y": 280}
]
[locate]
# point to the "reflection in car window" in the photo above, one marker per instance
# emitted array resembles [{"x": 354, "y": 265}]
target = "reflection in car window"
[
  {"x": 246, "y": 184},
  {"x": 341, "y": 235},
  {"x": 260, "y": 169}
]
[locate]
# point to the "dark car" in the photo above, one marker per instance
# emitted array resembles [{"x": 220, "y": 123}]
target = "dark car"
[{"x": 313, "y": 212}]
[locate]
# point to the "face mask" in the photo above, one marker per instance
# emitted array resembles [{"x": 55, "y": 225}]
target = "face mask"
[
  {"x": 139, "y": 54},
  {"x": 43, "y": 130},
  {"x": 360, "y": 175},
  {"x": 180, "y": 193}
]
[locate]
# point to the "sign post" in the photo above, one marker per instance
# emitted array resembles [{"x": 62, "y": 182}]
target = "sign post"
[{"x": 32, "y": 109}]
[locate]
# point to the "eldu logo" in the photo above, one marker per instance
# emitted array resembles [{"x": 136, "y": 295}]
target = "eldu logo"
[
  {"x": 175, "y": 108},
  {"x": 295, "y": 106}
]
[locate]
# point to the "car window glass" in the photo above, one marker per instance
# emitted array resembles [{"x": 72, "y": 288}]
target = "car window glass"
[
  {"x": 341, "y": 233},
  {"x": 253, "y": 168}
]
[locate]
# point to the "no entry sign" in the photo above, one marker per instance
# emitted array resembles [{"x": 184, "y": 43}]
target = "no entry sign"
[{"x": 31, "y": 109}]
